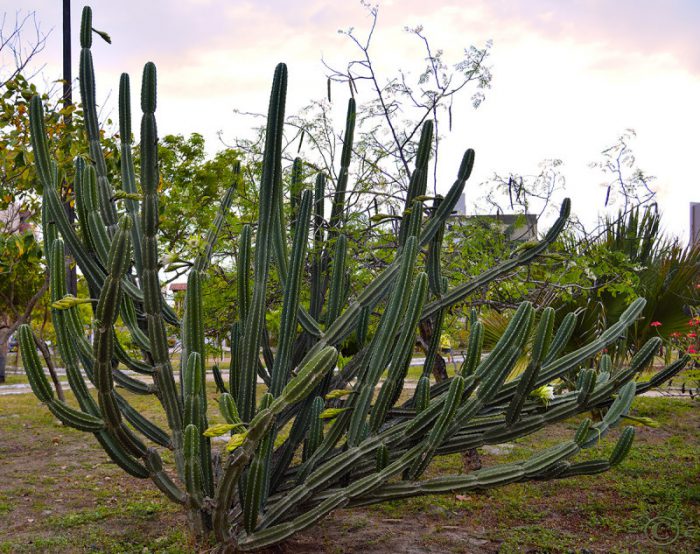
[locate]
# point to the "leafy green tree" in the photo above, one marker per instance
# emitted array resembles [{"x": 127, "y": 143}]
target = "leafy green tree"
[
  {"x": 193, "y": 186},
  {"x": 22, "y": 284}
]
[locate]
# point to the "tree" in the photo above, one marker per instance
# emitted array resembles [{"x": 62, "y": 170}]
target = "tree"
[
  {"x": 193, "y": 187},
  {"x": 21, "y": 284},
  {"x": 373, "y": 177}
]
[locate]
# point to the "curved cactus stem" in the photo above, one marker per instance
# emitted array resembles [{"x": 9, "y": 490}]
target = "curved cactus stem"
[
  {"x": 460, "y": 292},
  {"x": 336, "y": 294},
  {"x": 393, "y": 385},
  {"x": 128, "y": 173},
  {"x": 298, "y": 388},
  {"x": 433, "y": 258},
  {"x": 540, "y": 345},
  {"x": 203, "y": 260},
  {"x": 418, "y": 182},
  {"x": 381, "y": 347},
  {"x": 338, "y": 205},
  {"x": 290, "y": 303},
  {"x": 92, "y": 127},
  {"x": 153, "y": 303},
  {"x": 255, "y": 321}
]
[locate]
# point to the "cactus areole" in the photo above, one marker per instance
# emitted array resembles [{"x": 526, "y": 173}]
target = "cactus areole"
[{"x": 319, "y": 438}]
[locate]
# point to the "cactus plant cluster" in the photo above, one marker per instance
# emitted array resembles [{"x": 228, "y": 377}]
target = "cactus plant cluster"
[{"x": 319, "y": 438}]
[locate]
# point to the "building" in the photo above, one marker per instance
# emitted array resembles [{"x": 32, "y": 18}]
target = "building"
[
  {"x": 694, "y": 222},
  {"x": 516, "y": 227}
]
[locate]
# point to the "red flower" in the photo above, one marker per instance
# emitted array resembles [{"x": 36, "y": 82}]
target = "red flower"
[
  {"x": 655, "y": 324},
  {"x": 691, "y": 350},
  {"x": 675, "y": 334},
  {"x": 692, "y": 335},
  {"x": 693, "y": 322}
]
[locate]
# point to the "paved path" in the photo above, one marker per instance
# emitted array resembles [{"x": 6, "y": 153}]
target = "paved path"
[{"x": 24, "y": 388}]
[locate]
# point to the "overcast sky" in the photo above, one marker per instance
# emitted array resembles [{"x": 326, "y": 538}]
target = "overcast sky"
[{"x": 569, "y": 76}]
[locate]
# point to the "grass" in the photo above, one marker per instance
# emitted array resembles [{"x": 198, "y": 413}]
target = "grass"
[{"x": 60, "y": 493}]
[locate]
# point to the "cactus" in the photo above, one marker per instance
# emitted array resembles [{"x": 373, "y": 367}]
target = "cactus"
[{"x": 379, "y": 438}]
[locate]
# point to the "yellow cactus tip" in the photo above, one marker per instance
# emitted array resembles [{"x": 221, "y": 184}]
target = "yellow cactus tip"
[
  {"x": 235, "y": 441},
  {"x": 330, "y": 413},
  {"x": 220, "y": 429},
  {"x": 337, "y": 393}
]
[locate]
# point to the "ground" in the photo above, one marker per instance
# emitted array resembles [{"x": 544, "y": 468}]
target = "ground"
[{"x": 59, "y": 493}]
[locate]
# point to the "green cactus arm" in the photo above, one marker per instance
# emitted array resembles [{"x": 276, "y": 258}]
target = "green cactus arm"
[
  {"x": 128, "y": 173},
  {"x": 561, "y": 338},
  {"x": 87, "y": 97},
  {"x": 127, "y": 311},
  {"x": 195, "y": 412},
  {"x": 290, "y": 303},
  {"x": 42, "y": 389},
  {"x": 338, "y": 205},
  {"x": 421, "y": 398},
  {"x": 278, "y": 238},
  {"x": 472, "y": 356},
  {"x": 218, "y": 378},
  {"x": 106, "y": 313},
  {"x": 316, "y": 291},
  {"x": 75, "y": 418},
  {"x": 433, "y": 257},
  {"x": 447, "y": 205},
  {"x": 336, "y": 294},
  {"x": 80, "y": 207},
  {"x": 100, "y": 240},
  {"x": 234, "y": 370},
  {"x": 255, "y": 321},
  {"x": 193, "y": 476},
  {"x": 243, "y": 273},
  {"x": 299, "y": 387},
  {"x": 540, "y": 345},
  {"x": 586, "y": 388},
  {"x": 162, "y": 480},
  {"x": 296, "y": 187},
  {"x": 460, "y": 292},
  {"x": 153, "y": 303},
  {"x": 439, "y": 430},
  {"x": 419, "y": 178},
  {"x": 256, "y": 476},
  {"x": 192, "y": 330},
  {"x": 314, "y": 434},
  {"x": 204, "y": 258},
  {"x": 663, "y": 375},
  {"x": 142, "y": 424},
  {"x": 393, "y": 385},
  {"x": 380, "y": 348}
]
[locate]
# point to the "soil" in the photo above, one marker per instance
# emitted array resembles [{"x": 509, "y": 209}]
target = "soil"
[{"x": 60, "y": 493}]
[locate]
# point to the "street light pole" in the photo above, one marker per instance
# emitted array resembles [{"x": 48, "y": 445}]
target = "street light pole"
[{"x": 66, "y": 192}]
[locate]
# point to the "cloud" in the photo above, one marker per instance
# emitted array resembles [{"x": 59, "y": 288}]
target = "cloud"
[{"x": 569, "y": 75}]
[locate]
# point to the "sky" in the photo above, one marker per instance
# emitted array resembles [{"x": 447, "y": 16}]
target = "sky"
[{"x": 569, "y": 76}]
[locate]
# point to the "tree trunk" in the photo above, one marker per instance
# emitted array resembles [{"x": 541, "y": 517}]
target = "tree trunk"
[
  {"x": 4, "y": 344},
  {"x": 425, "y": 334}
]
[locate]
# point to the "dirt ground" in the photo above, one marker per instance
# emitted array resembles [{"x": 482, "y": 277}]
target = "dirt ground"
[{"x": 60, "y": 493}]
